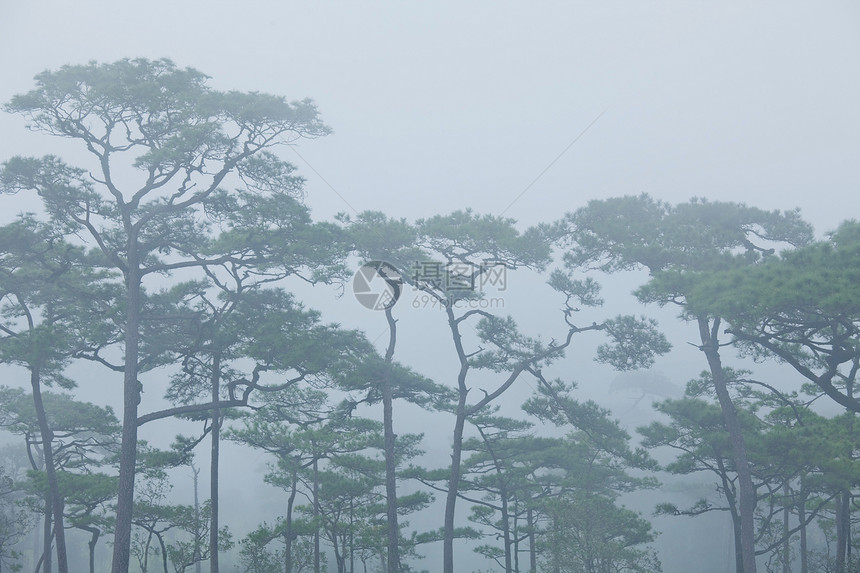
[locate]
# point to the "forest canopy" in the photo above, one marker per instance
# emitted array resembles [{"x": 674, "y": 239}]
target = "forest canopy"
[{"x": 166, "y": 271}]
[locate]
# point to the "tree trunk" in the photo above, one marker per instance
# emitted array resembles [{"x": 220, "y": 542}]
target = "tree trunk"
[
  {"x": 556, "y": 549},
  {"x": 739, "y": 554},
  {"x": 841, "y": 530},
  {"x": 786, "y": 550},
  {"x": 731, "y": 498},
  {"x": 846, "y": 516},
  {"x": 95, "y": 533},
  {"x": 390, "y": 458},
  {"x": 338, "y": 553},
  {"x": 848, "y": 527},
  {"x": 453, "y": 487},
  {"x": 145, "y": 565},
  {"x": 316, "y": 510},
  {"x": 801, "y": 514},
  {"x": 288, "y": 530},
  {"x": 163, "y": 552},
  {"x": 197, "y": 517},
  {"x": 506, "y": 530},
  {"x": 746, "y": 491},
  {"x": 351, "y": 536},
  {"x": 532, "y": 549},
  {"x": 503, "y": 496},
  {"x": 47, "y": 536},
  {"x": 457, "y": 447},
  {"x": 213, "y": 469},
  {"x": 57, "y": 504},
  {"x": 131, "y": 399},
  {"x": 516, "y": 539},
  {"x": 843, "y": 504}
]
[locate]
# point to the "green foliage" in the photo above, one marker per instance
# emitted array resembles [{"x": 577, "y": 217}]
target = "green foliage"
[
  {"x": 444, "y": 256},
  {"x": 258, "y": 556},
  {"x": 273, "y": 330},
  {"x": 508, "y": 348},
  {"x": 635, "y": 343},
  {"x": 800, "y": 308},
  {"x": 586, "y": 292},
  {"x": 83, "y": 433},
  {"x": 590, "y": 533},
  {"x": 813, "y": 281},
  {"x": 628, "y": 232},
  {"x": 553, "y": 402},
  {"x": 798, "y": 458},
  {"x": 177, "y": 143},
  {"x": 203, "y": 193},
  {"x": 158, "y": 106},
  {"x": 465, "y": 237},
  {"x": 364, "y": 377},
  {"x": 54, "y": 304},
  {"x": 15, "y": 522}
]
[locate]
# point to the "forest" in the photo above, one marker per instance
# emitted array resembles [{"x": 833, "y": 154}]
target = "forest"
[{"x": 163, "y": 268}]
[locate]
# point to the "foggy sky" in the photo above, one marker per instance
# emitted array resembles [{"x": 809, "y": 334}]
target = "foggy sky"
[
  {"x": 446, "y": 105},
  {"x": 437, "y": 106}
]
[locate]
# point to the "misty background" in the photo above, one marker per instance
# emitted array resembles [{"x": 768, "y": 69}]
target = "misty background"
[{"x": 443, "y": 106}]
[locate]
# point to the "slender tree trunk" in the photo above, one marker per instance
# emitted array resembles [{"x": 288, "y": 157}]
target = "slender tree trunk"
[
  {"x": 145, "y": 564},
  {"x": 732, "y": 501},
  {"x": 801, "y": 515},
  {"x": 316, "y": 510},
  {"x": 338, "y": 554},
  {"x": 786, "y": 549},
  {"x": 457, "y": 447},
  {"x": 503, "y": 496},
  {"x": 351, "y": 535},
  {"x": 453, "y": 487},
  {"x": 841, "y": 530},
  {"x": 57, "y": 504},
  {"x": 850, "y": 455},
  {"x": 746, "y": 490},
  {"x": 556, "y": 548},
  {"x": 532, "y": 549},
  {"x": 506, "y": 531},
  {"x": 95, "y": 533},
  {"x": 843, "y": 503},
  {"x": 47, "y": 536},
  {"x": 739, "y": 554},
  {"x": 848, "y": 527},
  {"x": 131, "y": 399},
  {"x": 516, "y": 539},
  {"x": 40, "y": 562},
  {"x": 163, "y": 553},
  {"x": 197, "y": 517},
  {"x": 213, "y": 469},
  {"x": 390, "y": 454},
  {"x": 288, "y": 530}
]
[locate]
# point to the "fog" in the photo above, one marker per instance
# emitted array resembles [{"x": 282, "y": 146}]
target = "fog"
[{"x": 515, "y": 109}]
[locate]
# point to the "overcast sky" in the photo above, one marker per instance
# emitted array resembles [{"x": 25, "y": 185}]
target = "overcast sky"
[
  {"x": 438, "y": 106},
  {"x": 441, "y": 106}
]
